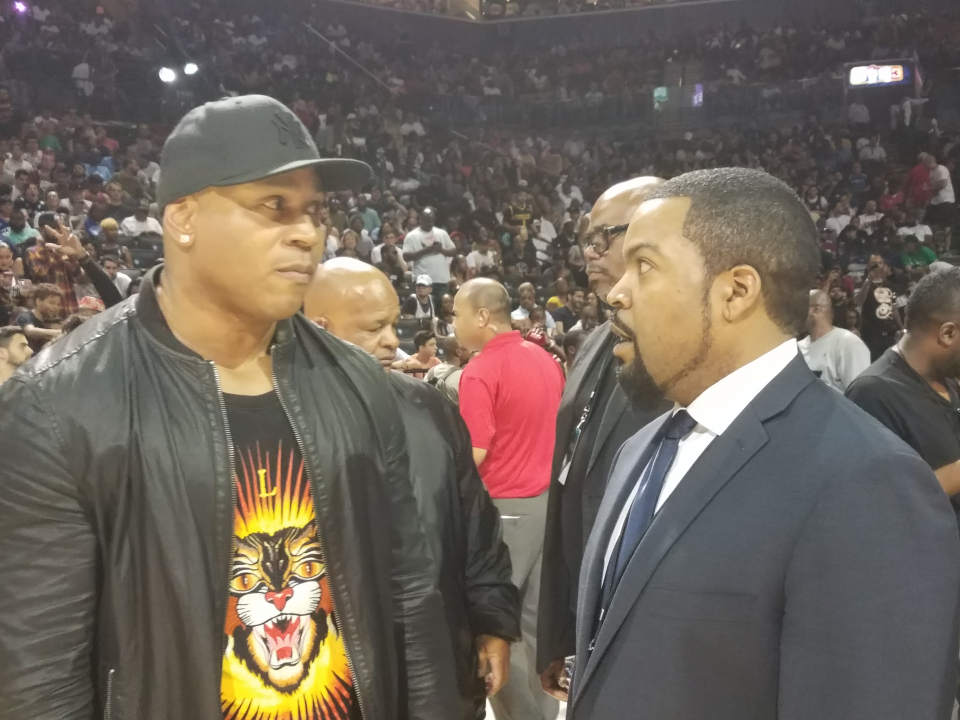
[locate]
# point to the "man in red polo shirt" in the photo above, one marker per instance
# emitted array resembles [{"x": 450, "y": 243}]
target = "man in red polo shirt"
[{"x": 509, "y": 397}]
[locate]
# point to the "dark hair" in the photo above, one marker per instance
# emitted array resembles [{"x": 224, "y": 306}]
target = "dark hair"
[
  {"x": 45, "y": 290},
  {"x": 573, "y": 339},
  {"x": 934, "y": 300},
  {"x": 450, "y": 346},
  {"x": 110, "y": 258},
  {"x": 7, "y": 334},
  {"x": 422, "y": 338},
  {"x": 76, "y": 320},
  {"x": 739, "y": 216}
]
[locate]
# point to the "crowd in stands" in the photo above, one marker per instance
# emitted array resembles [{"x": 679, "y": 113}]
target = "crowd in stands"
[
  {"x": 506, "y": 204},
  {"x": 255, "y": 53},
  {"x": 274, "y": 53}
]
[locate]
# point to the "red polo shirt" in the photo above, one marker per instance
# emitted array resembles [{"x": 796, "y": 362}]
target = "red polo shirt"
[{"x": 509, "y": 397}]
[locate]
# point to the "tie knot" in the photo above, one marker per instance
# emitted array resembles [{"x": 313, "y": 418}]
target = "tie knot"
[{"x": 679, "y": 425}]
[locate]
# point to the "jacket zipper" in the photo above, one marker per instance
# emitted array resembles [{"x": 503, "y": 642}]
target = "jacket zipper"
[
  {"x": 233, "y": 504},
  {"x": 333, "y": 598},
  {"x": 108, "y": 705}
]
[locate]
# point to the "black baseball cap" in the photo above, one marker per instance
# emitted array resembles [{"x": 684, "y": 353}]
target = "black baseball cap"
[{"x": 244, "y": 139}]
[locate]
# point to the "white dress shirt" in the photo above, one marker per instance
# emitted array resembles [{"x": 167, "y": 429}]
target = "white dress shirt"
[{"x": 714, "y": 410}]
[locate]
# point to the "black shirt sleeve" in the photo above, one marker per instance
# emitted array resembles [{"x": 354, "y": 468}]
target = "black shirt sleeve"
[
  {"x": 104, "y": 286},
  {"x": 928, "y": 427}
]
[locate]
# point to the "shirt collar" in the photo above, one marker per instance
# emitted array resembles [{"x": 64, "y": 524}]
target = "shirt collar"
[
  {"x": 506, "y": 338},
  {"x": 719, "y": 405}
]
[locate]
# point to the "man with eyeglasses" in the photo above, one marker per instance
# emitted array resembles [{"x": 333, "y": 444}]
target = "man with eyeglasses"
[{"x": 593, "y": 422}]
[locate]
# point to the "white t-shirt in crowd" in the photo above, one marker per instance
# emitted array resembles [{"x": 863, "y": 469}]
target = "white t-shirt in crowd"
[
  {"x": 414, "y": 127},
  {"x": 919, "y": 231},
  {"x": 436, "y": 265},
  {"x": 122, "y": 283},
  {"x": 837, "y": 224},
  {"x": 869, "y": 153},
  {"x": 869, "y": 223},
  {"x": 837, "y": 358},
  {"x": 522, "y": 313},
  {"x": 944, "y": 194},
  {"x": 11, "y": 166},
  {"x": 81, "y": 75},
  {"x": 575, "y": 194},
  {"x": 547, "y": 230},
  {"x": 478, "y": 260},
  {"x": 133, "y": 227}
]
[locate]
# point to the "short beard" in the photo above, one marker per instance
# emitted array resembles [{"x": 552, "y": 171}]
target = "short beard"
[{"x": 646, "y": 394}]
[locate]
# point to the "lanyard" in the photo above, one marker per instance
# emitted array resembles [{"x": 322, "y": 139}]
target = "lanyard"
[{"x": 585, "y": 418}]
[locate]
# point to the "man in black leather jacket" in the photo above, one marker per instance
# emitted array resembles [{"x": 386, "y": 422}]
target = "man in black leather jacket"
[
  {"x": 205, "y": 503},
  {"x": 357, "y": 303}
]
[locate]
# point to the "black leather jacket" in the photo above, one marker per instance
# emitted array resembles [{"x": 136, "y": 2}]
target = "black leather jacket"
[
  {"x": 463, "y": 531},
  {"x": 116, "y": 519}
]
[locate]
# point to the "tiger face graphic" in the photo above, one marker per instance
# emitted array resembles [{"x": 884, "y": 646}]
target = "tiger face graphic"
[
  {"x": 276, "y": 580},
  {"x": 284, "y": 657}
]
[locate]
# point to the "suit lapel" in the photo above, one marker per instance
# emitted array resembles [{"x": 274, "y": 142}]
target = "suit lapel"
[
  {"x": 583, "y": 368},
  {"x": 611, "y": 416},
  {"x": 634, "y": 454},
  {"x": 713, "y": 469}
]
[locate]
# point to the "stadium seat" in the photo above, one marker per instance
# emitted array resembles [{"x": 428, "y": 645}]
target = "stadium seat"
[{"x": 407, "y": 328}]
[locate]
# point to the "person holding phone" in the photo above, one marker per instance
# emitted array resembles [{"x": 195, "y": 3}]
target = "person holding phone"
[{"x": 878, "y": 302}]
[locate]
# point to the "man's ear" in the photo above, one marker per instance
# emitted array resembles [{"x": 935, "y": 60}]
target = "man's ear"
[
  {"x": 178, "y": 223},
  {"x": 741, "y": 292},
  {"x": 948, "y": 334}
]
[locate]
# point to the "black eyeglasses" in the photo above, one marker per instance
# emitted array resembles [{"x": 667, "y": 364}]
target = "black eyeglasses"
[{"x": 600, "y": 238}]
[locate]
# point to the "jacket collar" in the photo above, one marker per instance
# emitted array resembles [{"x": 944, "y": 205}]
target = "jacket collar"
[{"x": 150, "y": 314}]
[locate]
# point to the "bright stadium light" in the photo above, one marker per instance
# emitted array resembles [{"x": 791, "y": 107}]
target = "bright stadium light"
[
  {"x": 20, "y": 7},
  {"x": 168, "y": 75},
  {"x": 190, "y": 68}
]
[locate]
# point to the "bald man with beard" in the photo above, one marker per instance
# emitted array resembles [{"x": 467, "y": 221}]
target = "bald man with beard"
[
  {"x": 357, "y": 303},
  {"x": 594, "y": 420}
]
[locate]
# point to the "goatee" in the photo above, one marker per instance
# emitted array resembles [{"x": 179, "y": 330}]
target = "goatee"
[{"x": 638, "y": 385}]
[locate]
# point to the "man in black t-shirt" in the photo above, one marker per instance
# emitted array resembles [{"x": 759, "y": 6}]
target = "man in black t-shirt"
[
  {"x": 913, "y": 388},
  {"x": 569, "y": 314},
  {"x": 483, "y": 216},
  {"x": 879, "y": 311}
]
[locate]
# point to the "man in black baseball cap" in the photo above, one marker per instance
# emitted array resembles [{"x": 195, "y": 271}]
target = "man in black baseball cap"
[{"x": 205, "y": 503}]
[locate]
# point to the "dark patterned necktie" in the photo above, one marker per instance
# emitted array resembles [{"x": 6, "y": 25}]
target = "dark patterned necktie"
[{"x": 645, "y": 501}]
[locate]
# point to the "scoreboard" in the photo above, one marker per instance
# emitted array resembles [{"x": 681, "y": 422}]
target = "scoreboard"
[{"x": 900, "y": 76}]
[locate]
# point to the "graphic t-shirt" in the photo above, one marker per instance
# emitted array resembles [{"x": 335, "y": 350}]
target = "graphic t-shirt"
[
  {"x": 878, "y": 325},
  {"x": 285, "y": 658}
]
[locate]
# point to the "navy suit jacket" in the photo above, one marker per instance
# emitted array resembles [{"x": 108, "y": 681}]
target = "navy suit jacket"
[{"x": 807, "y": 567}]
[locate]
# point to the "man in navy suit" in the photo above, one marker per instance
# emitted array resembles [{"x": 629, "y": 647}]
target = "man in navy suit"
[{"x": 764, "y": 550}]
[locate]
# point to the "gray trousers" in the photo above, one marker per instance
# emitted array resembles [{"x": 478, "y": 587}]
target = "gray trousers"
[{"x": 522, "y": 698}]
